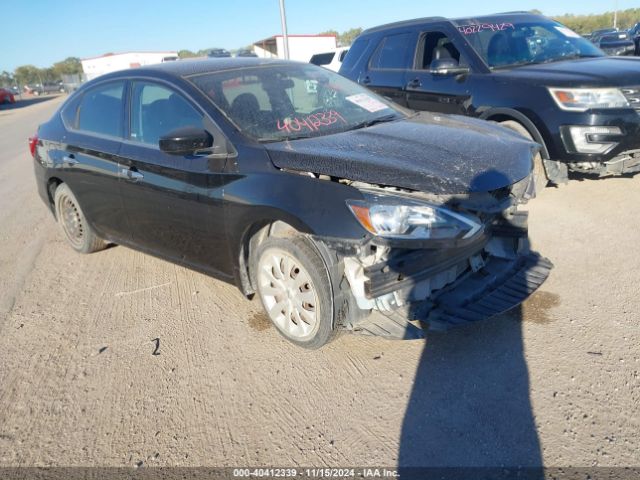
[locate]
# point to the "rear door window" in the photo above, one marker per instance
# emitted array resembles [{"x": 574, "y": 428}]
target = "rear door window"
[
  {"x": 101, "y": 109},
  {"x": 355, "y": 53},
  {"x": 394, "y": 52}
]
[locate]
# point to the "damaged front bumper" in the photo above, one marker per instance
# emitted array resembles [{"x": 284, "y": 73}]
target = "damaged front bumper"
[
  {"x": 500, "y": 285},
  {"x": 624, "y": 163},
  {"x": 447, "y": 287}
]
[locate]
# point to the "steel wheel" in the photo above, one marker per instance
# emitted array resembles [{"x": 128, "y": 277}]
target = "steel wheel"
[
  {"x": 288, "y": 294},
  {"x": 71, "y": 221}
]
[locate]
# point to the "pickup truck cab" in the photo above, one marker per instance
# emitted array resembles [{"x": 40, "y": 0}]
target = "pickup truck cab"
[{"x": 526, "y": 71}]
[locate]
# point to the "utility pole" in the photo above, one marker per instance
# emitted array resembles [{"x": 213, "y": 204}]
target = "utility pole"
[
  {"x": 615, "y": 14},
  {"x": 285, "y": 37}
]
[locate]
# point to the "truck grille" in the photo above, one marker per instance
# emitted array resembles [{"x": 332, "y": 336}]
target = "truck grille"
[{"x": 633, "y": 96}]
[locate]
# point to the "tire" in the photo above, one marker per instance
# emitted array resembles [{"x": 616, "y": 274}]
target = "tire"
[
  {"x": 295, "y": 290},
  {"x": 77, "y": 230},
  {"x": 540, "y": 179}
]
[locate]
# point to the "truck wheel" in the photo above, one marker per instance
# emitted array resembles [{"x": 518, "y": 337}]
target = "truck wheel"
[
  {"x": 295, "y": 290},
  {"x": 74, "y": 224},
  {"x": 540, "y": 179}
]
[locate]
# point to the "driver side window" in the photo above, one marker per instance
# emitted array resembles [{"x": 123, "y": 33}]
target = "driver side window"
[
  {"x": 157, "y": 110},
  {"x": 435, "y": 46}
]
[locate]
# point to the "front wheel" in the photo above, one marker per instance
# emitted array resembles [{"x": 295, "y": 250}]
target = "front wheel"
[
  {"x": 77, "y": 230},
  {"x": 295, "y": 290},
  {"x": 540, "y": 179}
]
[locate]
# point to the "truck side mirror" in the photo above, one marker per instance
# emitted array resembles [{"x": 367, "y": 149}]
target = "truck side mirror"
[{"x": 446, "y": 66}]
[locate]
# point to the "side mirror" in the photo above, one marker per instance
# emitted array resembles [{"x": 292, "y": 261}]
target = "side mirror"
[
  {"x": 185, "y": 140},
  {"x": 446, "y": 66}
]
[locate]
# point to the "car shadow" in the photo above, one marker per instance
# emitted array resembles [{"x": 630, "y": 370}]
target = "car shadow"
[
  {"x": 469, "y": 413},
  {"x": 26, "y": 101},
  {"x": 470, "y": 405}
]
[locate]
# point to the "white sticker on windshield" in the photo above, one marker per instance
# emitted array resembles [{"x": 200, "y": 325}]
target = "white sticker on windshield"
[
  {"x": 367, "y": 102},
  {"x": 567, "y": 32}
]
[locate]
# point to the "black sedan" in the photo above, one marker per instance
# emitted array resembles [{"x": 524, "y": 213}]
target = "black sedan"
[{"x": 339, "y": 209}]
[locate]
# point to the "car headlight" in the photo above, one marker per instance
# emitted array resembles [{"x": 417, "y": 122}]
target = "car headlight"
[
  {"x": 582, "y": 99},
  {"x": 391, "y": 216}
]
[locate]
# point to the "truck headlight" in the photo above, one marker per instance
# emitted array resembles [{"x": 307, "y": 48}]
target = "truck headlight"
[
  {"x": 392, "y": 216},
  {"x": 583, "y": 99}
]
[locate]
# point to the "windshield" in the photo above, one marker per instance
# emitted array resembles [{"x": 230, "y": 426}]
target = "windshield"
[
  {"x": 288, "y": 101},
  {"x": 503, "y": 44}
]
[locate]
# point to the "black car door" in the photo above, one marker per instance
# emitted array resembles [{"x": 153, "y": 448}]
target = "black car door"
[
  {"x": 88, "y": 159},
  {"x": 173, "y": 202},
  {"x": 438, "y": 92},
  {"x": 385, "y": 73}
]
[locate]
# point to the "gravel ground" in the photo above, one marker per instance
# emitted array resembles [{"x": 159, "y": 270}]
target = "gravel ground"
[{"x": 555, "y": 382}]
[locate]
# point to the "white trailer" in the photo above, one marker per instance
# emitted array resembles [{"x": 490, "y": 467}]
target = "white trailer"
[
  {"x": 301, "y": 47},
  {"x": 112, "y": 62}
]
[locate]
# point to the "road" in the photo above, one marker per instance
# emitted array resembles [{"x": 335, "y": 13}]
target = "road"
[{"x": 553, "y": 383}]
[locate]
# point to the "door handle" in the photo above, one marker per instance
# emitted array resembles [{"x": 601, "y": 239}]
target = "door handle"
[
  {"x": 366, "y": 80},
  {"x": 415, "y": 83},
  {"x": 130, "y": 174},
  {"x": 69, "y": 160}
]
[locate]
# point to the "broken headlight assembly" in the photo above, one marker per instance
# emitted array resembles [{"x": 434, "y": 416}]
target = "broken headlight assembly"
[{"x": 398, "y": 217}]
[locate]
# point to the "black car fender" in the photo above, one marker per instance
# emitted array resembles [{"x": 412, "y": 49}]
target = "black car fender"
[{"x": 309, "y": 205}]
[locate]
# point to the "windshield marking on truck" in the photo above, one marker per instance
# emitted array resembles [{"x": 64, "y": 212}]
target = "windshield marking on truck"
[
  {"x": 313, "y": 122},
  {"x": 477, "y": 28}
]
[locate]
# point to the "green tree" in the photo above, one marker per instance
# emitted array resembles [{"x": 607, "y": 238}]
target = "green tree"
[
  {"x": 68, "y": 66},
  {"x": 589, "y": 23},
  {"x": 187, "y": 54},
  {"x": 6, "y": 79},
  {"x": 27, "y": 75},
  {"x": 331, "y": 32},
  {"x": 346, "y": 38}
]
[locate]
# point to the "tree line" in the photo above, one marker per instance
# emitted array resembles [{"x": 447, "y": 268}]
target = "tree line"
[
  {"x": 588, "y": 23},
  {"x": 32, "y": 75}
]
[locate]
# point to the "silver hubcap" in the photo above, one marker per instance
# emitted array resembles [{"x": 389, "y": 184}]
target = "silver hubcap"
[
  {"x": 288, "y": 293},
  {"x": 71, "y": 220}
]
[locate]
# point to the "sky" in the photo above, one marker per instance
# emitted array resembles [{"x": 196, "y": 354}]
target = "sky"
[{"x": 41, "y": 32}]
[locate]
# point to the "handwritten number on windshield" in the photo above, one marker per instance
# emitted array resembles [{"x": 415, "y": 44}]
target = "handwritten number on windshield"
[
  {"x": 312, "y": 123},
  {"x": 494, "y": 27}
]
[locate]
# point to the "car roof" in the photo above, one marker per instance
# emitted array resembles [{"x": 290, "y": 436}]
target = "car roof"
[
  {"x": 513, "y": 16},
  {"x": 194, "y": 66}
]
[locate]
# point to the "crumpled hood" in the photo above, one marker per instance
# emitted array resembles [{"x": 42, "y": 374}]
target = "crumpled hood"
[{"x": 433, "y": 153}]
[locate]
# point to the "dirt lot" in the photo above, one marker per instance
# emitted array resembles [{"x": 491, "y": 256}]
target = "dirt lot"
[{"x": 556, "y": 383}]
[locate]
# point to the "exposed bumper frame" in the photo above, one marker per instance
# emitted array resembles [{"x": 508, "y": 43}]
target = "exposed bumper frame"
[
  {"x": 624, "y": 163},
  {"x": 499, "y": 286}
]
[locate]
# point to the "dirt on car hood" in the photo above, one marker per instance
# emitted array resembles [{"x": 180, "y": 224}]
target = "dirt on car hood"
[{"x": 439, "y": 154}]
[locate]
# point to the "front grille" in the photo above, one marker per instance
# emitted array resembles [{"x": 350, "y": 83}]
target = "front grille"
[{"x": 633, "y": 96}]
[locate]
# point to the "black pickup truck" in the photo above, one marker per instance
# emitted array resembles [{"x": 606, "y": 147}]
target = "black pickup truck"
[{"x": 526, "y": 71}]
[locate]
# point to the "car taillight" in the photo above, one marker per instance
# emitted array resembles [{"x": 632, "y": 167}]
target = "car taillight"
[{"x": 33, "y": 141}]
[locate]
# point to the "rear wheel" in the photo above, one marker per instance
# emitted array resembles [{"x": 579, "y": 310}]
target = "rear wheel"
[
  {"x": 74, "y": 224},
  {"x": 540, "y": 179},
  {"x": 295, "y": 290}
]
